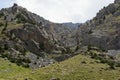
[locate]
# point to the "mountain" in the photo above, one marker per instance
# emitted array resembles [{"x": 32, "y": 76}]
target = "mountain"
[
  {"x": 31, "y": 40},
  {"x": 100, "y": 36},
  {"x": 103, "y": 31},
  {"x": 29, "y": 43}
]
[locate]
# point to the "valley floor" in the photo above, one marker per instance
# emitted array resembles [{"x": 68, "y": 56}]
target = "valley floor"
[{"x": 79, "y": 67}]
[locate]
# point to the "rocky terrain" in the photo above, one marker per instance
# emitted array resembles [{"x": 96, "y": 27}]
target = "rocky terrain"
[
  {"x": 103, "y": 31},
  {"x": 28, "y": 39},
  {"x": 29, "y": 42},
  {"x": 32, "y": 41}
]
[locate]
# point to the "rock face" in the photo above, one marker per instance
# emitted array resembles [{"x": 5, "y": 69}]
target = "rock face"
[
  {"x": 60, "y": 32},
  {"x": 103, "y": 31},
  {"x": 29, "y": 40},
  {"x": 35, "y": 38},
  {"x": 23, "y": 33},
  {"x": 117, "y": 1}
]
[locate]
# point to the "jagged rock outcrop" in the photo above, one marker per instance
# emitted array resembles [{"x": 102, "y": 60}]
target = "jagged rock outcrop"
[
  {"x": 35, "y": 38},
  {"x": 103, "y": 31}
]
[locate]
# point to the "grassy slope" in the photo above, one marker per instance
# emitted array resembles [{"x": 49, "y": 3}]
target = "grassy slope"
[
  {"x": 8, "y": 70},
  {"x": 73, "y": 69}
]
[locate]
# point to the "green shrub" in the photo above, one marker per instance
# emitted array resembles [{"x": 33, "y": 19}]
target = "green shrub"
[
  {"x": 83, "y": 62},
  {"x": 6, "y": 47},
  {"x": 20, "y": 18},
  {"x": 26, "y": 65},
  {"x": 1, "y": 49},
  {"x": 1, "y": 24},
  {"x": 102, "y": 60},
  {"x": 5, "y": 28},
  {"x": 111, "y": 64},
  {"x": 90, "y": 32},
  {"x": 77, "y": 48},
  {"x": 68, "y": 50},
  {"x": 1, "y": 14},
  {"x": 117, "y": 65}
]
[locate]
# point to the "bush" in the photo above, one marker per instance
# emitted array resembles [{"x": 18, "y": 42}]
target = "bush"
[
  {"x": 5, "y": 28},
  {"x": 83, "y": 62},
  {"x": 77, "y": 48},
  {"x": 20, "y": 18},
  {"x": 42, "y": 46},
  {"x": 18, "y": 21},
  {"x": 102, "y": 60},
  {"x": 68, "y": 50},
  {"x": 112, "y": 66},
  {"x": 1, "y": 14},
  {"x": 1, "y": 50},
  {"x": 90, "y": 32},
  {"x": 26, "y": 65},
  {"x": 6, "y": 47},
  {"x": 1, "y": 24},
  {"x": 89, "y": 47},
  {"x": 117, "y": 65}
]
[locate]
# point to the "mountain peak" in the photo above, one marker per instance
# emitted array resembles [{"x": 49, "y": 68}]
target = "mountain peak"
[
  {"x": 15, "y": 4},
  {"x": 16, "y": 7}
]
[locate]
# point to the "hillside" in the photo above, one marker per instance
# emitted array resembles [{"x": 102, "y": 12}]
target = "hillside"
[
  {"x": 80, "y": 67},
  {"x": 32, "y": 41},
  {"x": 8, "y": 69},
  {"x": 33, "y": 48},
  {"x": 103, "y": 31}
]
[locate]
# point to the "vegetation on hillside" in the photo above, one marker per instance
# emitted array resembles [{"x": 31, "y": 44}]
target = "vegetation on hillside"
[{"x": 80, "y": 67}]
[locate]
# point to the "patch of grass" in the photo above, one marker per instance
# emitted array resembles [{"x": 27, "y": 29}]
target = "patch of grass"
[
  {"x": 74, "y": 69},
  {"x": 8, "y": 70},
  {"x": 12, "y": 25}
]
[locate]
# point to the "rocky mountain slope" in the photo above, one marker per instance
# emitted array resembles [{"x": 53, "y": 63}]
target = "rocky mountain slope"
[
  {"x": 28, "y": 39},
  {"x": 103, "y": 31}
]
